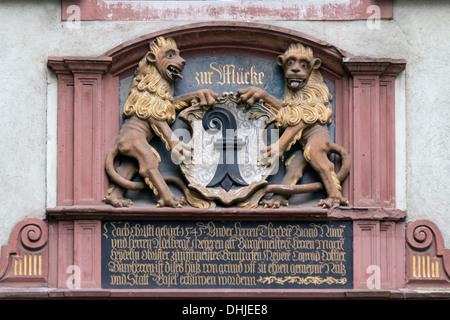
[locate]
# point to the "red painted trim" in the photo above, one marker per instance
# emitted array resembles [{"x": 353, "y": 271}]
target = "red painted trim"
[
  {"x": 61, "y": 253},
  {"x": 82, "y": 123},
  {"x": 225, "y": 10},
  {"x": 371, "y": 131},
  {"x": 87, "y": 252},
  {"x": 427, "y": 259},
  {"x": 102, "y": 212},
  {"x": 25, "y": 258},
  {"x": 379, "y": 246}
]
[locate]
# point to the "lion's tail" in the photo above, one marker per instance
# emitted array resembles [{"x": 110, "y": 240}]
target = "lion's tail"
[
  {"x": 345, "y": 161},
  {"x": 115, "y": 177},
  {"x": 192, "y": 197},
  {"x": 315, "y": 186}
]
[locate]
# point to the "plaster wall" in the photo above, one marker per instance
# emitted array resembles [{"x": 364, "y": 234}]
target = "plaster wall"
[{"x": 31, "y": 31}]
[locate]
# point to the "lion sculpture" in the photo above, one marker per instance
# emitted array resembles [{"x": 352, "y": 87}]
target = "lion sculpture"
[
  {"x": 303, "y": 116},
  {"x": 148, "y": 112}
]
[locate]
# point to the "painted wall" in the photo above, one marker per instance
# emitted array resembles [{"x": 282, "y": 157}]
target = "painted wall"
[{"x": 31, "y": 31}]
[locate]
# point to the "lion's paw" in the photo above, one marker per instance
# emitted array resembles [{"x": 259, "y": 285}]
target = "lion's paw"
[
  {"x": 117, "y": 202},
  {"x": 174, "y": 202},
  {"x": 333, "y": 201},
  {"x": 275, "y": 202}
]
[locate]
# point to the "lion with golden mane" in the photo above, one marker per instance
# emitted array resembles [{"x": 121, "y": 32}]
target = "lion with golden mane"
[
  {"x": 303, "y": 116},
  {"x": 148, "y": 112}
]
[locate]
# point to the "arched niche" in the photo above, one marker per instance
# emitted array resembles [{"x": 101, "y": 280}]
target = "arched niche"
[{"x": 221, "y": 38}]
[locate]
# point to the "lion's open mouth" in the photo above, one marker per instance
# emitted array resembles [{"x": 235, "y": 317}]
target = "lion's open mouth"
[
  {"x": 173, "y": 72},
  {"x": 296, "y": 83}
]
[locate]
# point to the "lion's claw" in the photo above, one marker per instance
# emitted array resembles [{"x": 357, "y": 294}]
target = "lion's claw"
[
  {"x": 118, "y": 202},
  {"x": 333, "y": 201},
  {"x": 275, "y": 202},
  {"x": 175, "y": 202}
]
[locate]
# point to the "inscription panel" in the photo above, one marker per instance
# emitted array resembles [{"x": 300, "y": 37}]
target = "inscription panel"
[{"x": 227, "y": 254}]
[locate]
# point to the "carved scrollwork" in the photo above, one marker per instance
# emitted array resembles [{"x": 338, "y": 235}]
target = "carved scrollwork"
[
  {"x": 421, "y": 234},
  {"x": 34, "y": 236},
  {"x": 28, "y": 236},
  {"x": 428, "y": 255}
]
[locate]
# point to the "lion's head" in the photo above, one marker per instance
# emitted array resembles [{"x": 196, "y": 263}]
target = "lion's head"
[
  {"x": 306, "y": 96},
  {"x": 151, "y": 92}
]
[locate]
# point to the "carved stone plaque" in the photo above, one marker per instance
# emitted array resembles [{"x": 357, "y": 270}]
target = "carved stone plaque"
[{"x": 231, "y": 254}]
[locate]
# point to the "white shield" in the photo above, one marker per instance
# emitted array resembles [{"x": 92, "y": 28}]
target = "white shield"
[{"x": 208, "y": 152}]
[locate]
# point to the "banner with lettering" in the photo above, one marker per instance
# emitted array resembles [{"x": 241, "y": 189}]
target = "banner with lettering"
[{"x": 230, "y": 73}]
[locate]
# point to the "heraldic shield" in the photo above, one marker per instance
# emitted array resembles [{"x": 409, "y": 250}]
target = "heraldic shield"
[{"x": 226, "y": 140}]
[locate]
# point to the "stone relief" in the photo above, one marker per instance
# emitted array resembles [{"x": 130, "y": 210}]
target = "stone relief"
[
  {"x": 148, "y": 111},
  {"x": 303, "y": 116},
  {"x": 228, "y": 152}
]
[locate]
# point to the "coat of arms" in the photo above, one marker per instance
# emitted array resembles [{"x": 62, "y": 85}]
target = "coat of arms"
[{"x": 226, "y": 140}]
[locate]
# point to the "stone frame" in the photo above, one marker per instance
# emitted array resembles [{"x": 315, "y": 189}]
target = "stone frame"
[
  {"x": 88, "y": 114},
  {"x": 232, "y": 10},
  {"x": 364, "y": 103}
]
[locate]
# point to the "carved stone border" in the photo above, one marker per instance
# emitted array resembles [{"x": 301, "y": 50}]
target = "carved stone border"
[
  {"x": 40, "y": 254},
  {"x": 364, "y": 104},
  {"x": 25, "y": 258},
  {"x": 379, "y": 240},
  {"x": 427, "y": 259},
  {"x": 221, "y": 10}
]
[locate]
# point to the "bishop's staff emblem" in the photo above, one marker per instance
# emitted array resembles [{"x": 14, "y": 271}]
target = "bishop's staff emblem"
[{"x": 227, "y": 172}]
